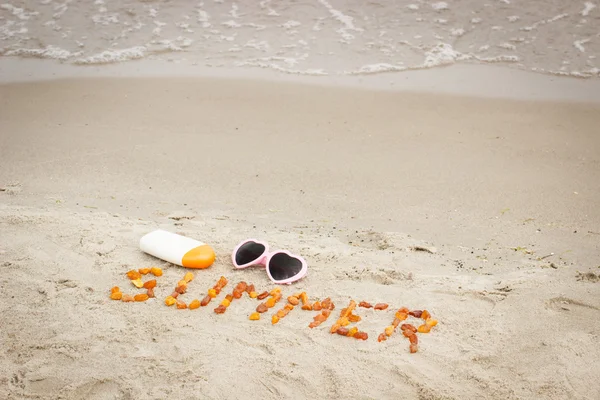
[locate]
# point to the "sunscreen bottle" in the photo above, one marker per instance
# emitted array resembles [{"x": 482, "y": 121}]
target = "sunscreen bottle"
[{"x": 177, "y": 249}]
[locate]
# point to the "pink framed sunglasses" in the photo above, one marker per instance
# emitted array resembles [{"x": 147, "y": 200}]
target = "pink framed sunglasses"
[{"x": 282, "y": 266}]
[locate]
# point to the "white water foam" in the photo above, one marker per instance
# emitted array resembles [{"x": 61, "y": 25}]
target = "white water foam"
[
  {"x": 309, "y": 37},
  {"x": 345, "y": 20},
  {"x": 112, "y": 56},
  {"x": 587, "y": 8},
  {"x": 440, "y": 6},
  {"x": 50, "y": 52}
]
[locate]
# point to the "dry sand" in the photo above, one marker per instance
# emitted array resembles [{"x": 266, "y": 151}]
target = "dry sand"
[{"x": 505, "y": 192}]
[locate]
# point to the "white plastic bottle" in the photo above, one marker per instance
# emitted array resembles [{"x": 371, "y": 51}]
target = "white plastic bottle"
[{"x": 177, "y": 249}]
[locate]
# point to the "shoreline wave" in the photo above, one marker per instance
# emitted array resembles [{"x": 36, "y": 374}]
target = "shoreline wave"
[{"x": 303, "y": 38}]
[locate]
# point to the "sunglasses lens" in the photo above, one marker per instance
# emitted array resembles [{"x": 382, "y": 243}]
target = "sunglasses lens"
[
  {"x": 249, "y": 252},
  {"x": 282, "y": 266}
]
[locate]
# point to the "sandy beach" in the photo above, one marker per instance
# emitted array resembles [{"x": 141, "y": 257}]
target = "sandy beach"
[
  {"x": 502, "y": 194},
  {"x": 435, "y": 155}
]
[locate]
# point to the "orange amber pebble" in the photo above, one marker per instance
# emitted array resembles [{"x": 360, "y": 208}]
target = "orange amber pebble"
[
  {"x": 217, "y": 290},
  {"x": 127, "y": 298},
  {"x": 115, "y": 289},
  {"x": 425, "y": 315},
  {"x": 324, "y": 304},
  {"x": 262, "y": 308},
  {"x": 229, "y": 297},
  {"x": 281, "y": 313},
  {"x": 320, "y": 318},
  {"x": 293, "y": 300},
  {"x": 416, "y": 313},
  {"x": 342, "y": 331},
  {"x": 170, "y": 300},
  {"x": 188, "y": 277},
  {"x": 237, "y": 294},
  {"x": 413, "y": 339},
  {"x": 254, "y": 316},
  {"x": 317, "y": 306},
  {"x": 175, "y": 295},
  {"x": 150, "y": 292},
  {"x": 289, "y": 307},
  {"x": 413, "y": 348},
  {"x": 274, "y": 319},
  {"x": 352, "y": 331},
  {"x": 263, "y": 295},
  {"x": 222, "y": 282},
  {"x": 424, "y": 328},
  {"x": 181, "y": 289},
  {"x": 212, "y": 293},
  {"x": 144, "y": 271},
  {"x": 409, "y": 327},
  {"x": 181, "y": 283},
  {"x": 138, "y": 283},
  {"x": 314, "y": 324},
  {"x": 275, "y": 291},
  {"x": 334, "y": 328},
  {"x": 226, "y": 303},
  {"x": 404, "y": 310},
  {"x": 361, "y": 335},
  {"x": 348, "y": 310},
  {"x": 381, "y": 337},
  {"x": 250, "y": 288},
  {"x": 270, "y": 302},
  {"x": 253, "y": 295},
  {"x": 364, "y": 304},
  {"x": 407, "y": 333},
  {"x": 285, "y": 311},
  {"x": 343, "y": 321},
  {"x": 205, "y": 301},
  {"x": 380, "y": 306},
  {"x": 180, "y": 304},
  {"x": 194, "y": 304},
  {"x": 133, "y": 275},
  {"x": 396, "y": 322},
  {"x": 140, "y": 297},
  {"x": 150, "y": 284},
  {"x": 389, "y": 330},
  {"x": 326, "y": 313},
  {"x": 304, "y": 298},
  {"x": 431, "y": 322},
  {"x": 353, "y": 318},
  {"x": 156, "y": 271},
  {"x": 242, "y": 286},
  {"x": 220, "y": 309},
  {"x": 401, "y": 316},
  {"x": 116, "y": 296},
  {"x": 307, "y": 307}
]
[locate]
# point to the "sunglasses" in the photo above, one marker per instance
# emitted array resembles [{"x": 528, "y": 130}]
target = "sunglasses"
[{"x": 282, "y": 266}]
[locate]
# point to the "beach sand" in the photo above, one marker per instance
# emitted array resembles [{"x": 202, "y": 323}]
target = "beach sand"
[{"x": 504, "y": 194}]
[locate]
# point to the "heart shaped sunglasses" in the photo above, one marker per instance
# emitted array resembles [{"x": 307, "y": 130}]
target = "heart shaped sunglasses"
[{"x": 282, "y": 266}]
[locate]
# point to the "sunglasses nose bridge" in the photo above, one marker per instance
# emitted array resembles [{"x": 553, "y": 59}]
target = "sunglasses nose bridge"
[{"x": 262, "y": 261}]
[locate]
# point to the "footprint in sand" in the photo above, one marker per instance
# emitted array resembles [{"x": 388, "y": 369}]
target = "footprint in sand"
[
  {"x": 12, "y": 188},
  {"x": 369, "y": 240},
  {"x": 95, "y": 389},
  {"x": 381, "y": 276},
  {"x": 573, "y": 308},
  {"x": 483, "y": 297}
]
